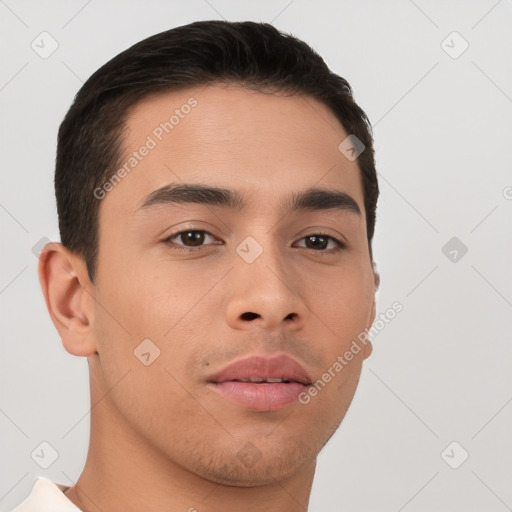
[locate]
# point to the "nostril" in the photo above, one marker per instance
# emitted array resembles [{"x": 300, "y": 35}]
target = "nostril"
[{"x": 250, "y": 316}]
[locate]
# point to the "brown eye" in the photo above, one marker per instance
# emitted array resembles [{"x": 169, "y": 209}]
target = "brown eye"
[
  {"x": 194, "y": 237},
  {"x": 189, "y": 238},
  {"x": 319, "y": 242}
]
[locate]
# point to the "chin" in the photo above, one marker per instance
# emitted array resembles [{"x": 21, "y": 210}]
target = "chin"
[{"x": 255, "y": 465}]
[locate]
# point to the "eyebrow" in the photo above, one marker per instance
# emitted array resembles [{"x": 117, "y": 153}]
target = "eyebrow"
[{"x": 312, "y": 199}]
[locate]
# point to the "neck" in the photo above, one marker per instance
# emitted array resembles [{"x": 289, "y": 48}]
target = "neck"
[{"x": 123, "y": 471}]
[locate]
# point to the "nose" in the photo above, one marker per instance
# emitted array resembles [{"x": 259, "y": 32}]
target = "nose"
[{"x": 266, "y": 293}]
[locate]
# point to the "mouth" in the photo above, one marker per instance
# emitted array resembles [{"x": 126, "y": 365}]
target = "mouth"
[
  {"x": 262, "y": 383},
  {"x": 262, "y": 380}
]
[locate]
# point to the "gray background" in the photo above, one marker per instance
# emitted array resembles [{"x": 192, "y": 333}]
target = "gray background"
[{"x": 440, "y": 371}]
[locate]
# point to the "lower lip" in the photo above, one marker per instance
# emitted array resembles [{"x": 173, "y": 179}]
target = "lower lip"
[{"x": 262, "y": 396}]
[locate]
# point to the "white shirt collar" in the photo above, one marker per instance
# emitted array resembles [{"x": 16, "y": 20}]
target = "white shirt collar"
[{"x": 47, "y": 496}]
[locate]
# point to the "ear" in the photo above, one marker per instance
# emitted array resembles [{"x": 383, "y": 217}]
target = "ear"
[
  {"x": 69, "y": 297},
  {"x": 368, "y": 347},
  {"x": 376, "y": 276}
]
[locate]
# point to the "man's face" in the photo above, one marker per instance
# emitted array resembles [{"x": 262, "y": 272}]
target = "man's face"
[{"x": 215, "y": 296}]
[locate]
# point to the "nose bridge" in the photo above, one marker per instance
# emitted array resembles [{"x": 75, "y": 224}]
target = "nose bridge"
[
  {"x": 265, "y": 287},
  {"x": 263, "y": 256}
]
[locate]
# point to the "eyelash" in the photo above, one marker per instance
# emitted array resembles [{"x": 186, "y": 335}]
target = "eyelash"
[{"x": 340, "y": 246}]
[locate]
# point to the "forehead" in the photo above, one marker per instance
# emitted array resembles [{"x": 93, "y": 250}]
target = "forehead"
[{"x": 263, "y": 145}]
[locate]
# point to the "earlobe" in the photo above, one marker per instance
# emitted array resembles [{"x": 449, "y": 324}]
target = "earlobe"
[{"x": 67, "y": 300}]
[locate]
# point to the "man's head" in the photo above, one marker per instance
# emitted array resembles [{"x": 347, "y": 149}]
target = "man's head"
[
  {"x": 254, "y": 55},
  {"x": 229, "y": 132}
]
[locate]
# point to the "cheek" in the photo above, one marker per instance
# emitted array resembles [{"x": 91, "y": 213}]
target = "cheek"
[
  {"x": 343, "y": 303},
  {"x": 157, "y": 316},
  {"x": 145, "y": 380},
  {"x": 145, "y": 306},
  {"x": 146, "y": 330}
]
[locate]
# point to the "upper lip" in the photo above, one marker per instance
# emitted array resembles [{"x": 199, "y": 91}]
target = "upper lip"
[{"x": 263, "y": 367}]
